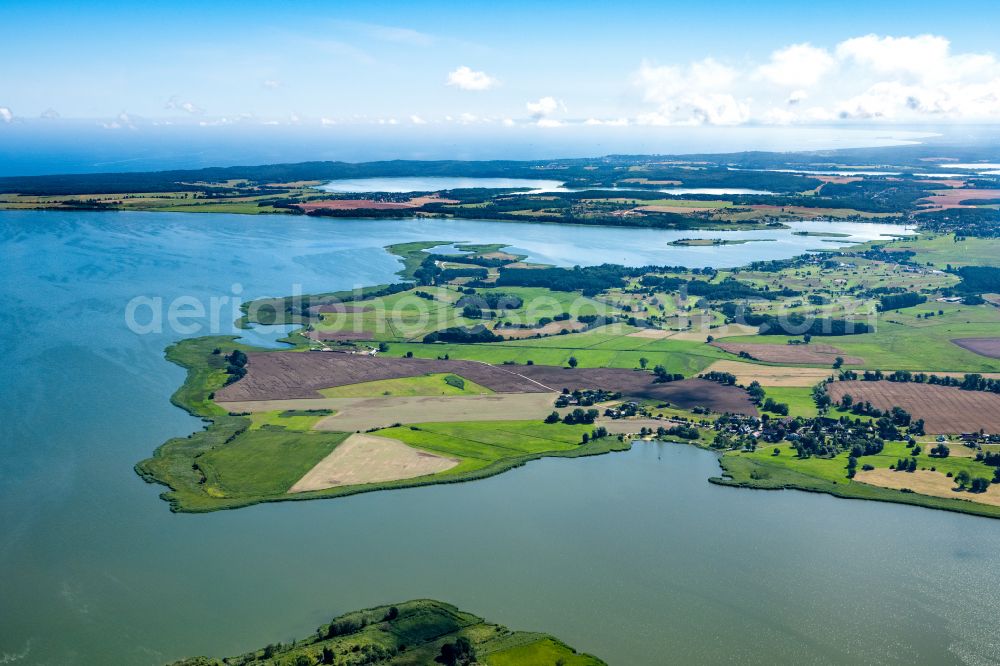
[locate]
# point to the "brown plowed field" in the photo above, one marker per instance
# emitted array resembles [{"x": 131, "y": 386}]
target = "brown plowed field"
[
  {"x": 813, "y": 353},
  {"x": 944, "y": 409},
  {"x": 686, "y": 394},
  {"x": 983, "y": 346},
  {"x": 284, "y": 375},
  {"x": 956, "y": 198}
]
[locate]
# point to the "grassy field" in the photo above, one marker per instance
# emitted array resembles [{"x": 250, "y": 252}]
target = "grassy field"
[
  {"x": 238, "y": 460},
  {"x": 442, "y": 383},
  {"x": 299, "y": 419},
  {"x": 481, "y": 444},
  {"x": 411, "y": 633},
  {"x": 264, "y": 461},
  {"x": 940, "y": 250},
  {"x": 799, "y": 399}
]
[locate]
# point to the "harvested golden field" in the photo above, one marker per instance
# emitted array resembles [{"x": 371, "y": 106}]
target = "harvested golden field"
[
  {"x": 355, "y": 414},
  {"x": 926, "y": 482},
  {"x": 362, "y": 459},
  {"x": 701, "y": 333},
  {"x": 651, "y": 334},
  {"x": 944, "y": 409},
  {"x": 552, "y": 328},
  {"x": 771, "y": 375}
]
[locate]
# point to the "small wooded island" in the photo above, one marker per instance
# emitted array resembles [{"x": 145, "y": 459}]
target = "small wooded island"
[{"x": 410, "y": 633}]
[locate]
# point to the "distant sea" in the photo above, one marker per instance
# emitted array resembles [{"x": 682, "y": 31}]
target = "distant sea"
[{"x": 48, "y": 147}]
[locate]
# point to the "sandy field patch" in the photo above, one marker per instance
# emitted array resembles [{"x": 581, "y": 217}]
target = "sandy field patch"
[
  {"x": 700, "y": 334},
  {"x": 505, "y": 256},
  {"x": 364, "y": 459},
  {"x": 365, "y": 413},
  {"x": 770, "y": 375},
  {"x": 814, "y": 353},
  {"x": 926, "y": 482},
  {"x": 947, "y": 182},
  {"x": 652, "y": 334},
  {"x": 989, "y": 347},
  {"x": 944, "y": 409},
  {"x": 552, "y": 328}
]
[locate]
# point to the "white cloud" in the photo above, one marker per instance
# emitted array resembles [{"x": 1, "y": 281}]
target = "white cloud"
[
  {"x": 613, "y": 122},
  {"x": 465, "y": 78},
  {"x": 796, "y": 97},
  {"x": 549, "y": 122},
  {"x": 217, "y": 122},
  {"x": 797, "y": 65},
  {"x": 49, "y": 114},
  {"x": 907, "y": 78},
  {"x": 696, "y": 94},
  {"x": 545, "y": 106},
  {"x": 271, "y": 84},
  {"x": 122, "y": 121},
  {"x": 887, "y": 55},
  {"x": 176, "y": 104},
  {"x": 417, "y": 120},
  {"x": 327, "y": 121},
  {"x": 6, "y": 115},
  {"x": 507, "y": 122}
]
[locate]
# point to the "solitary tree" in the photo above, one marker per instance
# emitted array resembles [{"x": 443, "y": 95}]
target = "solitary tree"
[
  {"x": 962, "y": 479},
  {"x": 573, "y": 362}
]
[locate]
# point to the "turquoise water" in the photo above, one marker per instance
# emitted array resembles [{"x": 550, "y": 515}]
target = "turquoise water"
[{"x": 632, "y": 556}]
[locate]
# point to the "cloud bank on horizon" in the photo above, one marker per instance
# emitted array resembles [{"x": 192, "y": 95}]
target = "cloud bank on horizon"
[
  {"x": 917, "y": 78},
  {"x": 872, "y": 77}
]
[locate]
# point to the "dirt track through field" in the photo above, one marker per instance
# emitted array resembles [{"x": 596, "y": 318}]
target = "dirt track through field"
[{"x": 364, "y": 459}]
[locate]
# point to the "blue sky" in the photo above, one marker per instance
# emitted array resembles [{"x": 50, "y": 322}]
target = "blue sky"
[{"x": 662, "y": 63}]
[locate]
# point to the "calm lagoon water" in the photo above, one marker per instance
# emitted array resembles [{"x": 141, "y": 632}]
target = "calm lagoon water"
[{"x": 632, "y": 556}]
